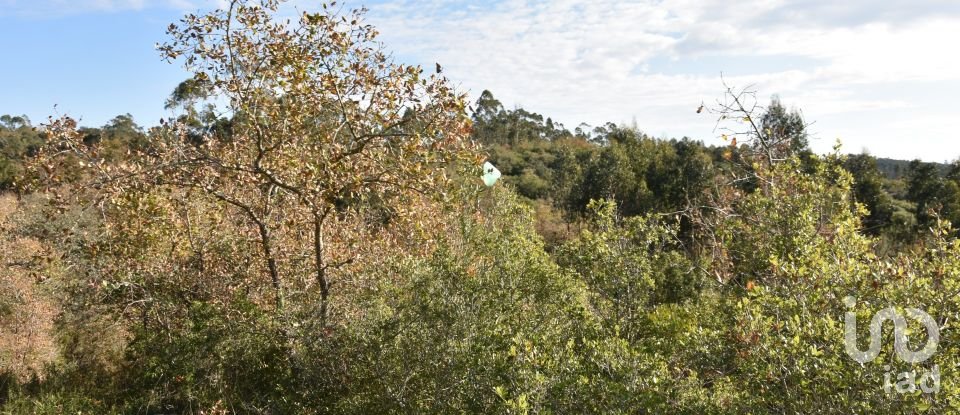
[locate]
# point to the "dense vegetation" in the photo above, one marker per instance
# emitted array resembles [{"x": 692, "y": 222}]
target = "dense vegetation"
[{"x": 310, "y": 236}]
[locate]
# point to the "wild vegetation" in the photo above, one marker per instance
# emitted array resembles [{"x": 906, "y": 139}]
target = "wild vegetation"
[{"x": 310, "y": 235}]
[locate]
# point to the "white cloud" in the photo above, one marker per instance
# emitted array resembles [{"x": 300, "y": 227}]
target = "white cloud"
[
  {"x": 582, "y": 60},
  {"x": 869, "y": 72}
]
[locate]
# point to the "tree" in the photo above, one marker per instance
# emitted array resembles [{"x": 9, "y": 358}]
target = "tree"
[
  {"x": 925, "y": 187},
  {"x": 18, "y": 141},
  {"x": 772, "y": 134},
  {"x": 323, "y": 123},
  {"x": 797, "y": 253},
  {"x": 493, "y": 125},
  {"x": 188, "y": 93},
  {"x": 610, "y": 175},
  {"x": 488, "y": 108},
  {"x": 784, "y": 129},
  {"x": 205, "y": 233},
  {"x": 868, "y": 190},
  {"x": 631, "y": 264}
]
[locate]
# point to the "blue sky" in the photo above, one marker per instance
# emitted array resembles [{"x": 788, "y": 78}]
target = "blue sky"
[
  {"x": 92, "y": 63},
  {"x": 880, "y": 76}
]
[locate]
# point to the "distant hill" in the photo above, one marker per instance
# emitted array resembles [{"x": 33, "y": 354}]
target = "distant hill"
[{"x": 896, "y": 169}]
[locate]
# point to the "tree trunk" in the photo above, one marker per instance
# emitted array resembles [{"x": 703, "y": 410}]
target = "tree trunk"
[
  {"x": 267, "y": 247},
  {"x": 321, "y": 267}
]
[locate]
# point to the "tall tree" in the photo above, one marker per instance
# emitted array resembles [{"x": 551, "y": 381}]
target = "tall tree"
[
  {"x": 322, "y": 119},
  {"x": 784, "y": 130},
  {"x": 868, "y": 190},
  {"x": 924, "y": 187}
]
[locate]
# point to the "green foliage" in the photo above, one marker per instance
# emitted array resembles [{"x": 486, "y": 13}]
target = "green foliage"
[
  {"x": 57, "y": 404},
  {"x": 785, "y": 129},
  {"x": 630, "y": 265},
  {"x": 314, "y": 254},
  {"x": 465, "y": 309},
  {"x": 935, "y": 196},
  {"x": 117, "y": 139},
  {"x": 474, "y": 327},
  {"x": 795, "y": 253},
  {"x": 868, "y": 190},
  {"x": 231, "y": 353},
  {"x": 641, "y": 174},
  {"x": 18, "y": 140},
  {"x": 493, "y": 125},
  {"x": 902, "y": 229}
]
